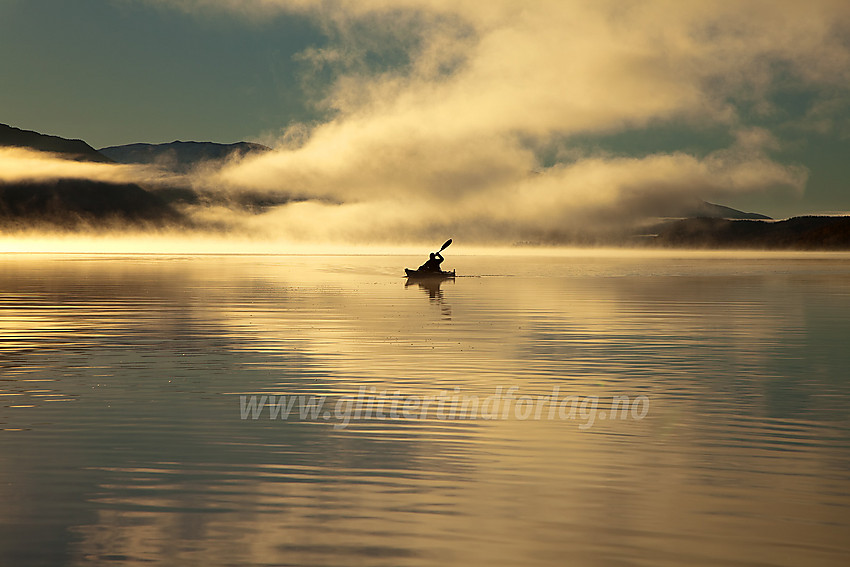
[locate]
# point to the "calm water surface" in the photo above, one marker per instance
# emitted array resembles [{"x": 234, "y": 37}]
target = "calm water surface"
[{"x": 124, "y": 381}]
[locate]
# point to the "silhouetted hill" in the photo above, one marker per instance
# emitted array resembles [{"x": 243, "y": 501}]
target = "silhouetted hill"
[
  {"x": 678, "y": 207},
  {"x": 71, "y": 149},
  {"x": 76, "y": 203},
  {"x": 180, "y": 156},
  {"x": 799, "y": 233},
  {"x": 705, "y": 209}
]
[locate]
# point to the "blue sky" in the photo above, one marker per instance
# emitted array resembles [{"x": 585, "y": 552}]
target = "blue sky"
[
  {"x": 120, "y": 72},
  {"x": 526, "y": 113}
]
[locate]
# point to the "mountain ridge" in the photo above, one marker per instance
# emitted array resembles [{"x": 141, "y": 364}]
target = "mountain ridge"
[
  {"x": 180, "y": 156},
  {"x": 75, "y": 149},
  {"x": 72, "y": 204},
  {"x": 713, "y": 210}
]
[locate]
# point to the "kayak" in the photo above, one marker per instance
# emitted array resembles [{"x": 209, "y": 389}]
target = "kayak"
[{"x": 428, "y": 275}]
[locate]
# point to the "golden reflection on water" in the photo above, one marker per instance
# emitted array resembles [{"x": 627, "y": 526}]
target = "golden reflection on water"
[{"x": 743, "y": 456}]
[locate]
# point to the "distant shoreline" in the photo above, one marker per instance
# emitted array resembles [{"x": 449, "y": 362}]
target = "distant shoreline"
[{"x": 810, "y": 232}]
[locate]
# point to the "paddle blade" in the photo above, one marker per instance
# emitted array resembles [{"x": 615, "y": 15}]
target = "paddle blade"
[{"x": 446, "y": 245}]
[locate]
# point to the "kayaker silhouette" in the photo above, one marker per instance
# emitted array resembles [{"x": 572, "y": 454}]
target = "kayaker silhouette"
[
  {"x": 431, "y": 268},
  {"x": 433, "y": 263}
]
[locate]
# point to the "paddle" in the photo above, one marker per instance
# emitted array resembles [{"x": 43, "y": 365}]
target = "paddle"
[{"x": 443, "y": 247}]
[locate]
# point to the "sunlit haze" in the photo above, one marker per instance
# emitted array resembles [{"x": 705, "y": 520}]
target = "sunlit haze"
[{"x": 410, "y": 120}]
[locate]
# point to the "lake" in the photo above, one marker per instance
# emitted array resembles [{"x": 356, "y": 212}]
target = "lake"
[{"x": 541, "y": 409}]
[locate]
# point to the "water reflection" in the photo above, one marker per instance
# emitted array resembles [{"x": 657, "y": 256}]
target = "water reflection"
[
  {"x": 432, "y": 286},
  {"x": 121, "y": 439}
]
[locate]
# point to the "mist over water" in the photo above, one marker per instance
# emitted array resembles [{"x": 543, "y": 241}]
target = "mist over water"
[
  {"x": 493, "y": 124},
  {"x": 122, "y": 438}
]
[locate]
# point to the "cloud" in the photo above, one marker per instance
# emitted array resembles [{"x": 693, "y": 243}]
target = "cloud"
[
  {"x": 436, "y": 107},
  {"x": 616, "y": 60},
  {"x": 19, "y": 165},
  {"x": 593, "y": 195}
]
